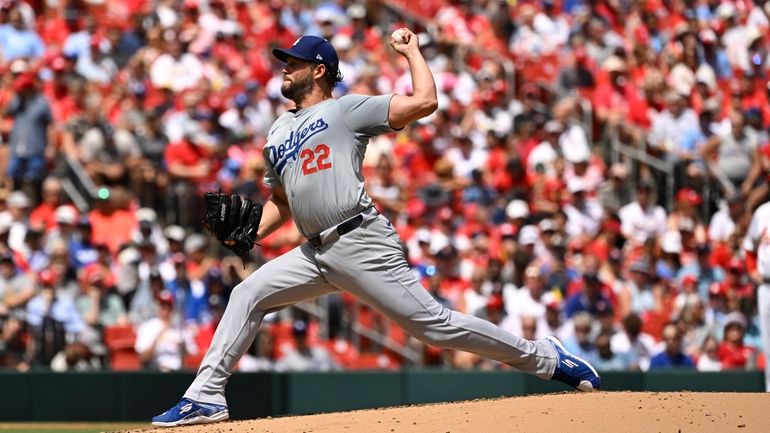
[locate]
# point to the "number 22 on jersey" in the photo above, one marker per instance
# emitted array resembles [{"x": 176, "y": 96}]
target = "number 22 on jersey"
[{"x": 314, "y": 160}]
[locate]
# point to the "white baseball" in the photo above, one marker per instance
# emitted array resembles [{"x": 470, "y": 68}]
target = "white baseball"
[{"x": 399, "y": 35}]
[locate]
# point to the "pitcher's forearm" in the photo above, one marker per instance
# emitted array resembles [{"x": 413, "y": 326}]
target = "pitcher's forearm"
[{"x": 274, "y": 213}]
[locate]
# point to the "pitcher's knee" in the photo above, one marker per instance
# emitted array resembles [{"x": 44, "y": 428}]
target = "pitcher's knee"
[
  {"x": 435, "y": 331},
  {"x": 249, "y": 295}
]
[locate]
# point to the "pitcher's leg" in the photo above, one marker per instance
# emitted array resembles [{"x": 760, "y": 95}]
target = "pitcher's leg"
[
  {"x": 370, "y": 264},
  {"x": 284, "y": 281},
  {"x": 763, "y": 304}
]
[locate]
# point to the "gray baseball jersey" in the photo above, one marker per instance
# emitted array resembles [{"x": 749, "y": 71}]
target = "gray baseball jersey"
[{"x": 316, "y": 155}]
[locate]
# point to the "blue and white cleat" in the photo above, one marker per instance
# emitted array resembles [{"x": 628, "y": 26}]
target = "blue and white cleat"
[
  {"x": 188, "y": 412},
  {"x": 573, "y": 370}
]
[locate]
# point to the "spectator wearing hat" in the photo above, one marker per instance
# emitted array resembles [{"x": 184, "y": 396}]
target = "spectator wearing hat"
[
  {"x": 713, "y": 54},
  {"x": 305, "y": 356},
  {"x": 82, "y": 250},
  {"x": 241, "y": 121},
  {"x": 553, "y": 321},
  {"x": 160, "y": 342},
  {"x": 96, "y": 66},
  {"x": 544, "y": 155},
  {"x": 641, "y": 287},
  {"x": 99, "y": 306},
  {"x": 669, "y": 262},
  {"x": 15, "y": 219},
  {"x": 672, "y": 356},
  {"x": 688, "y": 294},
  {"x": 30, "y": 135},
  {"x": 149, "y": 230},
  {"x": 66, "y": 218},
  {"x": 190, "y": 294},
  {"x": 733, "y": 353},
  {"x": 703, "y": 270},
  {"x": 736, "y": 286},
  {"x": 642, "y": 219},
  {"x": 175, "y": 237},
  {"x": 588, "y": 294}
]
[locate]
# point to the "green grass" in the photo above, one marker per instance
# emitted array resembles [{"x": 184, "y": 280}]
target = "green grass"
[{"x": 68, "y": 427}]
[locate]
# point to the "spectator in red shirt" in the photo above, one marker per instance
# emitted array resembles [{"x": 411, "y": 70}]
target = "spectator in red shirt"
[
  {"x": 44, "y": 214},
  {"x": 732, "y": 352}
]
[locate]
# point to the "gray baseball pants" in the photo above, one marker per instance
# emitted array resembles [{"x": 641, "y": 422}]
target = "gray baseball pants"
[
  {"x": 763, "y": 305},
  {"x": 369, "y": 263}
]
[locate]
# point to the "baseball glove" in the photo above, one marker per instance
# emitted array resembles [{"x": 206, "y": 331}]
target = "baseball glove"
[{"x": 233, "y": 221}]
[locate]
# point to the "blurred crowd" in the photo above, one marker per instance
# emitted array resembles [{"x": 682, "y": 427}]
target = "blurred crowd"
[{"x": 512, "y": 201}]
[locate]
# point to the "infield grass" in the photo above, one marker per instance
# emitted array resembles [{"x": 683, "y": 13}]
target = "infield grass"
[{"x": 68, "y": 427}]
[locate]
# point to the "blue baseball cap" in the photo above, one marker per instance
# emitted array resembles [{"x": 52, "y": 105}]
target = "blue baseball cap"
[{"x": 311, "y": 49}]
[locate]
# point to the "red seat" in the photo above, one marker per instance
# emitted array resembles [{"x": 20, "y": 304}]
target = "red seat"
[
  {"x": 120, "y": 340},
  {"x": 119, "y": 337},
  {"x": 192, "y": 362},
  {"x": 372, "y": 361}
]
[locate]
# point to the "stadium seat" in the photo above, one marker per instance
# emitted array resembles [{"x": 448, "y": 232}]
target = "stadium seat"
[{"x": 120, "y": 340}]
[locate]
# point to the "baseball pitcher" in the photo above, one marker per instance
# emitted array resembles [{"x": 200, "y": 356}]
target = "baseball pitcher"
[
  {"x": 757, "y": 247},
  {"x": 313, "y": 157}
]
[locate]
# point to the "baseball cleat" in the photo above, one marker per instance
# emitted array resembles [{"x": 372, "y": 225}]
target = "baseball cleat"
[
  {"x": 574, "y": 370},
  {"x": 188, "y": 412}
]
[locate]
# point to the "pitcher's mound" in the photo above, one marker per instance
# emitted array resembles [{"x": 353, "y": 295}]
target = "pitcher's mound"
[{"x": 615, "y": 412}]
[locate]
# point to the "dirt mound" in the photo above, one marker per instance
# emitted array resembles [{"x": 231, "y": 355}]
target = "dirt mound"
[{"x": 616, "y": 412}]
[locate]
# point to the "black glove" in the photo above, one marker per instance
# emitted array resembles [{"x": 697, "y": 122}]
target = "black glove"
[{"x": 233, "y": 221}]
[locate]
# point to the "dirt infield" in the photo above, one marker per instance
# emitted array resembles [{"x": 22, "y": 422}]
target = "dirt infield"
[{"x": 616, "y": 412}]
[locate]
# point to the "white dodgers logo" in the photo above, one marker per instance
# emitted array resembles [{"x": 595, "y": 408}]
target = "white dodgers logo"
[{"x": 280, "y": 155}]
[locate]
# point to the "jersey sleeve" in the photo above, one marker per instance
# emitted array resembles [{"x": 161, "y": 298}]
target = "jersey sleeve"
[
  {"x": 271, "y": 177},
  {"x": 366, "y": 115}
]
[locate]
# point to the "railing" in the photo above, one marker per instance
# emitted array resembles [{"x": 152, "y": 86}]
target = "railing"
[{"x": 77, "y": 184}]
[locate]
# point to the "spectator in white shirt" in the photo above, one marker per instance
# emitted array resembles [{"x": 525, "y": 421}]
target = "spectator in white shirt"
[
  {"x": 642, "y": 219},
  {"x": 722, "y": 225},
  {"x": 633, "y": 341},
  {"x": 160, "y": 343},
  {"x": 584, "y": 213},
  {"x": 670, "y": 126},
  {"x": 175, "y": 69}
]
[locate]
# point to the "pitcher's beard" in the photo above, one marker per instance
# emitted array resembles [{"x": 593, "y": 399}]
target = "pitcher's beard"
[{"x": 297, "y": 91}]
